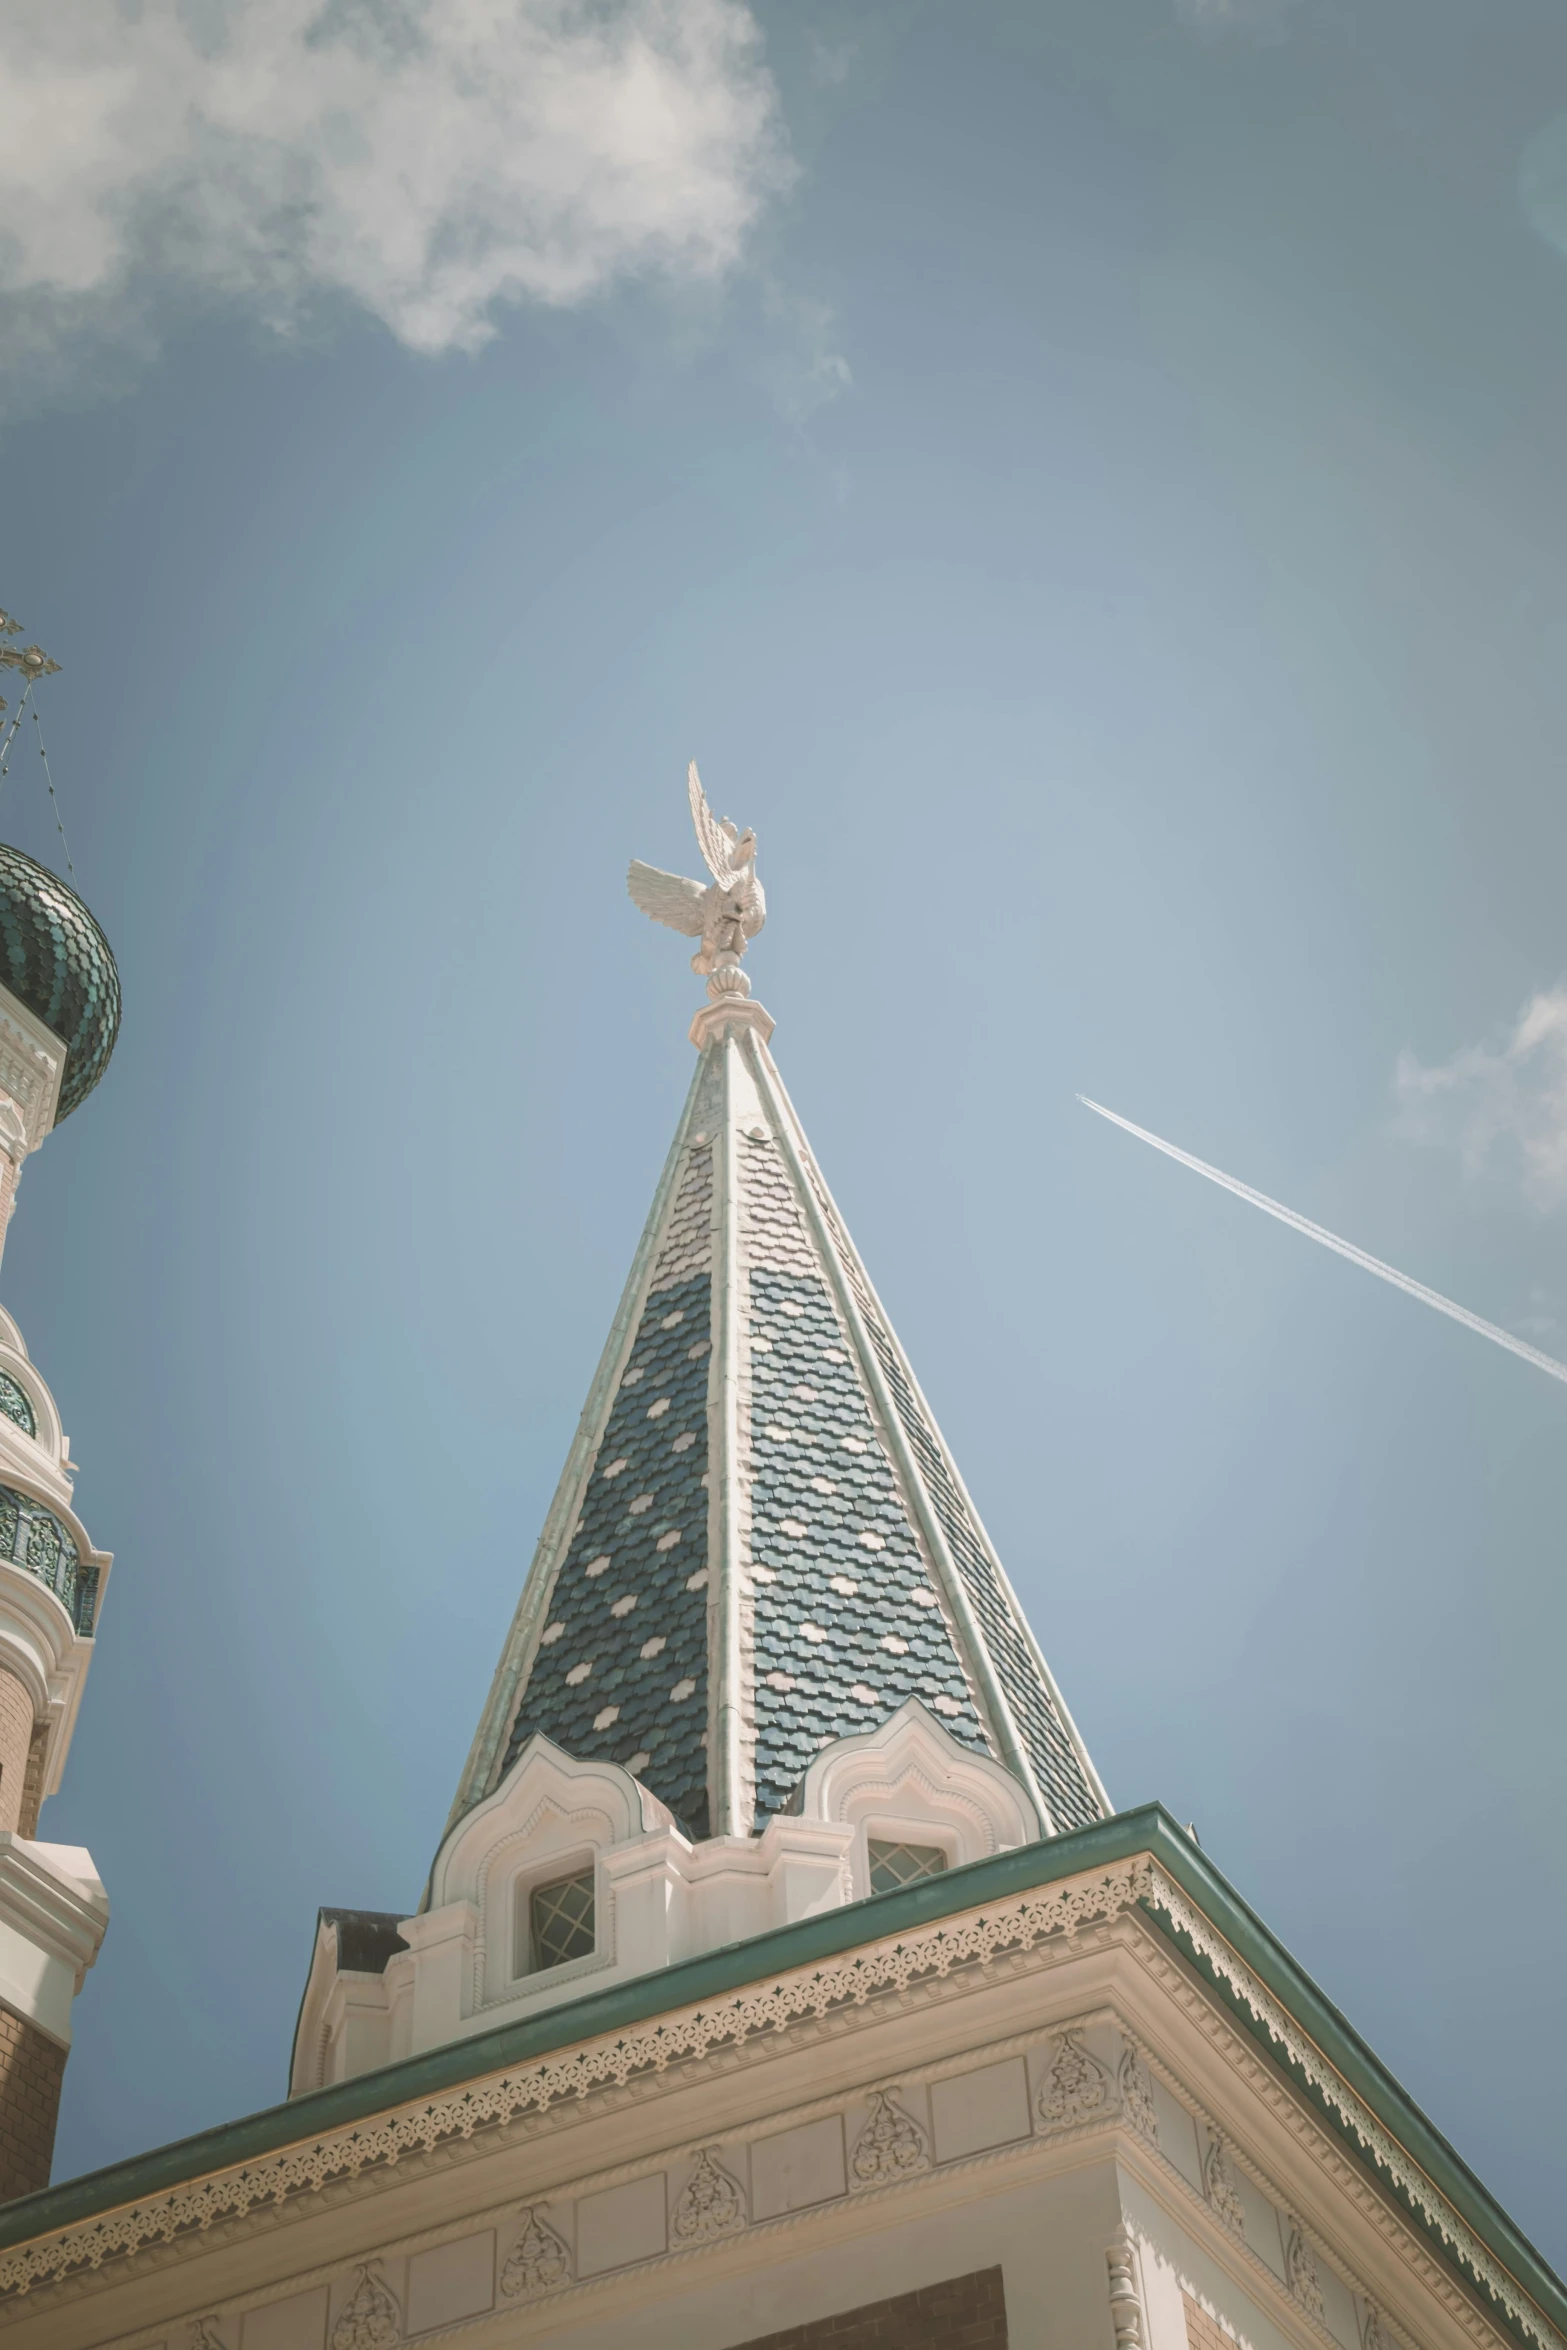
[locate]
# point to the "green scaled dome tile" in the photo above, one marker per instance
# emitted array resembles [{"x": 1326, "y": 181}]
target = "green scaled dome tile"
[{"x": 55, "y": 960}]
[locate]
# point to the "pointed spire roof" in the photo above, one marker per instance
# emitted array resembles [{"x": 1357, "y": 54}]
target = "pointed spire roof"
[{"x": 760, "y": 1542}]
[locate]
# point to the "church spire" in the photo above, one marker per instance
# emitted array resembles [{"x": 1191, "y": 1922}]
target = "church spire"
[{"x": 760, "y": 1543}]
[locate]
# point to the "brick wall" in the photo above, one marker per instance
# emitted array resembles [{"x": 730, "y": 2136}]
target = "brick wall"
[
  {"x": 16, "y": 1738},
  {"x": 1202, "y": 2331},
  {"x": 964, "y": 2313},
  {"x": 31, "y": 2068},
  {"x": 33, "y": 1783}
]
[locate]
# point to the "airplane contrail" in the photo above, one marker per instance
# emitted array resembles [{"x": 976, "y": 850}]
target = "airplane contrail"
[{"x": 1345, "y": 1248}]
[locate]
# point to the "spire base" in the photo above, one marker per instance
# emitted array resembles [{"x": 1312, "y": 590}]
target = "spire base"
[{"x": 735, "y": 1012}]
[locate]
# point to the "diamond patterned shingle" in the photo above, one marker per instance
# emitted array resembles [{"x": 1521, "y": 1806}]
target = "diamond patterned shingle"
[
  {"x": 1073, "y": 1801},
  {"x": 847, "y": 1623},
  {"x": 845, "y": 1631},
  {"x": 620, "y": 1673},
  {"x": 845, "y": 1528}
]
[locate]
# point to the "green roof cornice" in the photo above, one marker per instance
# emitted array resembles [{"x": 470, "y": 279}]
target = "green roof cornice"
[{"x": 1212, "y": 1927}]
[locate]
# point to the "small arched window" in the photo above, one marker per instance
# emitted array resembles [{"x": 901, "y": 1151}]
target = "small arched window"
[
  {"x": 17, "y": 1404},
  {"x": 892, "y": 1865},
  {"x": 555, "y": 1922}
]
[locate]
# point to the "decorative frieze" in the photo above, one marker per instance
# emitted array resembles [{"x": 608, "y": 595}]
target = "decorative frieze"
[
  {"x": 1136, "y": 2093},
  {"x": 707, "y": 2202},
  {"x": 1218, "y": 2184},
  {"x": 710, "y": 2203},
  {"x": 1077, "y": 2087},
  {"x": 956, "y": 1950},
  {"x": 872, "y": 1982},
  {"x": 891, "y": 2146},
  {"x": 1300, "y": 2271},
  {"x": 537, "y": 2262},
  {"x": 370, "y": 2318},
  {"x": 1306, "y": 2063}
]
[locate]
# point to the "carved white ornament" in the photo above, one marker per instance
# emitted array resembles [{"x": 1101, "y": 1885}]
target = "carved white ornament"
[
  {"x": 204, "y": 2334},
  {"x": 1300, "y": 2269},
  {"x": 1137, "y": 2097},
  {"x": 709, "y": 2204},
  {"x": 370, "y": 2318},
  {"x": 538, "y": 2260},
  {"x": 1076, "y": 2086},
  {"x": 979, "y": 1943},
  {"x": 1410, "y": 2184},
  {"x": 1126, "y": 2309},
  {"x": 1219, "y": 2186},
  {"x": 727, "y": 914},
  {"x": 31, "y": 1077},
  {"x": 891, "y": 2146},
  {"x": 1374, "y": 2334}
]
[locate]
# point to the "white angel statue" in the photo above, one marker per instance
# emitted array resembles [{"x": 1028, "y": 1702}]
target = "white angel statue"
[{"x": 728, "y": 912}]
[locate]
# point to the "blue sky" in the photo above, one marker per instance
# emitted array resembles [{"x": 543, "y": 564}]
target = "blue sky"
[{"x": 1088, "y": 485}]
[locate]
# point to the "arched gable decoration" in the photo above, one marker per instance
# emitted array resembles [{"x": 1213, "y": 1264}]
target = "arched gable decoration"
[
  {"x": 547, "y": 1801},
  {"x": 910, "y": 1780},
  {"x": 464, "y": 1962}
]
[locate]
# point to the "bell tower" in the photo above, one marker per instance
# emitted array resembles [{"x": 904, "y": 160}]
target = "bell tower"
[{"x": 59, "y": 1015}]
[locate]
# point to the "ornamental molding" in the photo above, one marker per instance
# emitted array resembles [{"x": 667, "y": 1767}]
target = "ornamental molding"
[
  {"x": 1126, "y": 2304},
  {"x": 31, "y": 1077},
  {"x": 1218, "y": 2185},
  {"x": 834, "y": 1996},
  {"x": 824, "y": 1997},
  {"x": 1076, "y": 2088},
  {"x": 538, "y": 2261},
  {"x": 1136, "y": 2092},
  {"x": 1375, "y": 2209},
  {"x": 913, "y": 1752},
  {"x": 710, "y": 2204},
  {"x": 1305, "y": 2061},
  {"x": 1055, "y": 2151},
  {"x": 1300, "y": 2271},
  {"x": 891, "y": 2146},
  {"x": 370, "y": 2318}
]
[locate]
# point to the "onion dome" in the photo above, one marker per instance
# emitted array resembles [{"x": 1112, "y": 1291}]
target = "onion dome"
[{"x": 56, "y": 961}]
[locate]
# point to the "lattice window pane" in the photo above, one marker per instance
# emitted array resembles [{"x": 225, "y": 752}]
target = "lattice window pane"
[
  {"x": 893, "y": 1865},
  {"x": 560, "y": 1920},
  {"x": 17, "y": 1404}
]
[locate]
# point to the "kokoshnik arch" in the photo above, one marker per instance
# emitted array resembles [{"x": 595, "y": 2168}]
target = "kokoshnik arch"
[{"x": 784, "y": 1976}]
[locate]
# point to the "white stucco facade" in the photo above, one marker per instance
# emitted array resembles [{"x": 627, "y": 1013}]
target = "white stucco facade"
[{"x": 1079, "y": 2081}]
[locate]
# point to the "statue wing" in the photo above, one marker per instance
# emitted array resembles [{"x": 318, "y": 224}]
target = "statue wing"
[
  {"x": 715, "y": 840},
  {"x": 667, "y": 897}
]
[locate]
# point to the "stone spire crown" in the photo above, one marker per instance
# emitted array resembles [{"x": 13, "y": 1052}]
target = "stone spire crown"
[{"x": 760, "y": 1544}]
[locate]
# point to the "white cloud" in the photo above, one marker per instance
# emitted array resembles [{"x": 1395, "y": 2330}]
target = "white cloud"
[
  {"x": 1499, "y": 1105},
  {"x": 427, "y": 160}
]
